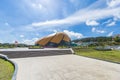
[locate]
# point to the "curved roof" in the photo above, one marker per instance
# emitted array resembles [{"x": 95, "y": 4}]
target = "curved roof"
[{"x": 56, "y": 38}]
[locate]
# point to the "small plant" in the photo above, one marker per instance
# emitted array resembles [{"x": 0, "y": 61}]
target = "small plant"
[
  {"x": 62, "y": 46},
  {"x": 35, "y": 47}
]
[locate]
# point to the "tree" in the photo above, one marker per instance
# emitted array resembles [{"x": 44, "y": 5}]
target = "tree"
[{"x": 117, "y": 39}]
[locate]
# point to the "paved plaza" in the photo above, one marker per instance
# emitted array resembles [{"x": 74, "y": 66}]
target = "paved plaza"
[{"x": 66, "y": 67}]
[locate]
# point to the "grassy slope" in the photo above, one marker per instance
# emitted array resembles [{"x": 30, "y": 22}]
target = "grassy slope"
[
  {"x": 113, "y": 56},
  {"x": 6, "y": 70}
]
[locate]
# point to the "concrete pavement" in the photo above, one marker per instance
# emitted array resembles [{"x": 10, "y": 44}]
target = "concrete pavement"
[
  {"x": 25, "y": 52},
  {"x": 66, "y": 67}
]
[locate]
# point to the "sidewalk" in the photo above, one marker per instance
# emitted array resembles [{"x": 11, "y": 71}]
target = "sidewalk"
[{"x": 66, "y": 67}]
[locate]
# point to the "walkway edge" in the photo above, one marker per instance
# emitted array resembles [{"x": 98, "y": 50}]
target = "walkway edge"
[
  {"x": 99, "y": 59},
  {"x": 14, "y": 64},
  {"x": 72, "y": 51}
]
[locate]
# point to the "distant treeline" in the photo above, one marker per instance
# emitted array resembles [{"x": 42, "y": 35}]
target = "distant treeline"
[
  {"x": 10, "y": 45},
  {"x": 99, "y": 41},
  {"x": 94, "y": 39}
]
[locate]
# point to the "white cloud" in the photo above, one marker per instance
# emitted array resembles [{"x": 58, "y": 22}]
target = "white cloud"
[
  {"x": 97, "y": 31},
  {"x": 113, "y": 3},
  {"x": 116, "y": 16},
  {"x": 29, "y": 41},
  {"x": 93, "y": 29},
  {"x": 37, "y": 34},
  {"x": 111, "y": 24},
  {"x": 22, "y": 36},
  {"x": 52, "y": 34},
  {"x": 73, "y": 34},
  {"x": 55, "y": 31},
  {"x": 49, "y": 23},
  {"x": 7, "y": 24},
  {"x": 92, "y": 23},
  {"x": 107, "y": 22},
  {"x": 37, "y": 5},
  {"x": 47, "y": 9},
  {"x": 80, "y": 16},
  {"x": 100, "y": 31},
  {"x": 76, "y": 18},
  {"x": 110, "y": 34}
]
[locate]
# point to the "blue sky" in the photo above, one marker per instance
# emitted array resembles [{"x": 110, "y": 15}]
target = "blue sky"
[{"x": 26, "y": 21}]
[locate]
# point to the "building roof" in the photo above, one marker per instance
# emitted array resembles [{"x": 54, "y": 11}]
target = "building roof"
[{"x": 56, "y": 38}]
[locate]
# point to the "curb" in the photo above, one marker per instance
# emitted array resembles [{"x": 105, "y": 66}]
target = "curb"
[
  {"x": 14, "y": 64},
  {"x": 72, "y": 51}
]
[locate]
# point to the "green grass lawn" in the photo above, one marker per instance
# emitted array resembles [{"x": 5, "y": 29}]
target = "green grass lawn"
[
  {"x": 113, "y": 56},
  {"x": 6, "y": 70}
]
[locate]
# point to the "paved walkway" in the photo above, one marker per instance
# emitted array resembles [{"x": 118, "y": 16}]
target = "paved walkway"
[{"x": 66, "y": 67}]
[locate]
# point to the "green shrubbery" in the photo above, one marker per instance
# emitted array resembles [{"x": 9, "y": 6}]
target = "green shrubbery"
[
  {"x": 8, "y": 45},
  {"x": 63, "y": 47},
  {"x": 35, "y": 47}
]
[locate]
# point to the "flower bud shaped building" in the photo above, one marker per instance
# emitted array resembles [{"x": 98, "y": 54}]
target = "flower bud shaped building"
[{"x": 58, "y": 39}]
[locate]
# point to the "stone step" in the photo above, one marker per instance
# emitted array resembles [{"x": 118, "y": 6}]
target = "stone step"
[{"x": 23, "y": 54}]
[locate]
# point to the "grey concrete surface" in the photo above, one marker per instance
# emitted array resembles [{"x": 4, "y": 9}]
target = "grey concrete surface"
[
  {"x": 66, "y": 67},
  {"x": 23, "y": 52}
]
